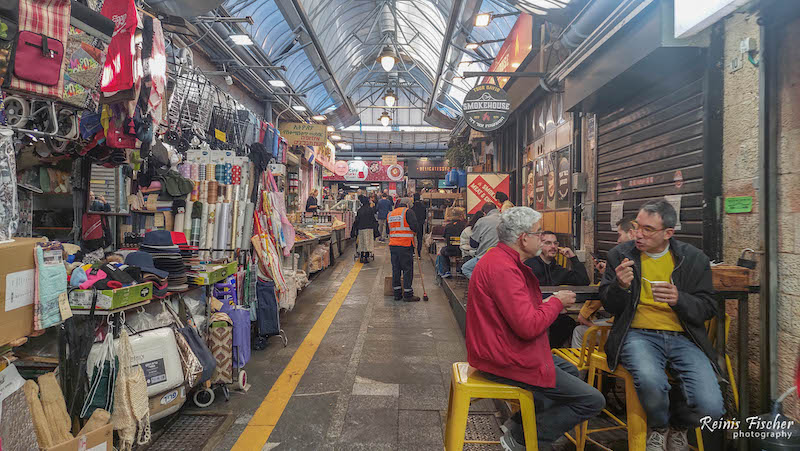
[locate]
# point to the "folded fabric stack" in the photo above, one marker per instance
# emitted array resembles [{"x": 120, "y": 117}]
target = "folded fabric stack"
[
  {"x": 141, "y": 267},
  {"x": 167, "y": 257}
]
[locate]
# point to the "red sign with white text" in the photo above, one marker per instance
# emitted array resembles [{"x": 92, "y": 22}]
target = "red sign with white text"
[
  {"x": 483, "y": 188},
  {"x": 514, "y": 50}
]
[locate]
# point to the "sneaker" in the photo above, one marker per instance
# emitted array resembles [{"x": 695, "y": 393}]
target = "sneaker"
[
  {"x": 509, "y": 444},
  {"x": 677, "y": 440},
  {"x": 447, "y": 275},
  {"x": 656, "y": 441},
  {"x": 507, "y": 425},
  {"x": 411, "y": 298}
]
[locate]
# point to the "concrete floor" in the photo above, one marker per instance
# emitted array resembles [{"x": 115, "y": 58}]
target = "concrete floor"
[{"x": 380, "y": 377}]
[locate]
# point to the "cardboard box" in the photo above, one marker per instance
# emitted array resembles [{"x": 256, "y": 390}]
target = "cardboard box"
[
  {"x": 98, "y": 440},
  {"x": 167, "y": 403},
  {"x": 215, "y": 273},
  {"x": 17, "y": 272},
  {"x": 111, "y": 299}
]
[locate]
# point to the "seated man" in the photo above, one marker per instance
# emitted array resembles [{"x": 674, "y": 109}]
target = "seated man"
[
  {"x": 452, "y": 237},
  {"x": 550, "y": 273},
  {"x": 659, "y": 291},
  {"x": 484, "y": 236},
  {"x": 506, "y": 330},
  {"x": 625, "y": 233}
]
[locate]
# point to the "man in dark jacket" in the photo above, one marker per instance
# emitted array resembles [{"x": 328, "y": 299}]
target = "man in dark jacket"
[
  {"x": 551, "y": 274},
  {"x": 384, "y": 207},
  {"x": 659, "y": 290},
  {"x": 421, "y": 212}
]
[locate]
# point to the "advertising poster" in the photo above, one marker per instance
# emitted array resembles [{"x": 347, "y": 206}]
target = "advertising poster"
[
  {"x": 563, "y": 176},
  {"x": 366, "y": 171},
  {"x": 540, "y": 181},
  {"x": 482, "y": 188}
]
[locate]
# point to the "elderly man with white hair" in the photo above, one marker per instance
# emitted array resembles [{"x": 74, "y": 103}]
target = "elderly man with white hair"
[{"x": 507, "y": 322}]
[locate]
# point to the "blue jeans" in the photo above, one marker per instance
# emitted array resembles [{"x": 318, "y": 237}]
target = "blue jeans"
[
  {"x": 647, "y": 355},
  {"x": 558, "y": 409},
  {"x": 469, "y": 266}
]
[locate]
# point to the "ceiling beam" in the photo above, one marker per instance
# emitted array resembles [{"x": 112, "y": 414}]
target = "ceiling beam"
[
  {"x": 309, "y": 29},
  {"x": 455, "y": 14}
]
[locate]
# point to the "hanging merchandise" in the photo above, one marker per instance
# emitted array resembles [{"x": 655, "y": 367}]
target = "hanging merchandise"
[
  {"x": 102, "y": 379},
  {"x": 131, "y": 407},
  {"x": 9, "y": 208},
  {"x": 50, "y": 289},
  {"x": 118, "y": 70}
]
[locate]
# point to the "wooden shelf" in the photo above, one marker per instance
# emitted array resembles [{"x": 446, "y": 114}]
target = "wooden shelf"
[{"x": 51, "y": 228}]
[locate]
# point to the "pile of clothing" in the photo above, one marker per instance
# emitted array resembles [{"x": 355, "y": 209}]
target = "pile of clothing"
[
  {"x": 167, "y": 257},
  {"x": 189, "y": 254}
]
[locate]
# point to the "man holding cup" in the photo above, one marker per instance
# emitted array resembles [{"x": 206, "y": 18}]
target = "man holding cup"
[{"x": 659, "y": 290}]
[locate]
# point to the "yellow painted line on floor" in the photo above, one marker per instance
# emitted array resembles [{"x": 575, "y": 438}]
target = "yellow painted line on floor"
[{"x": 260, "y": 427}]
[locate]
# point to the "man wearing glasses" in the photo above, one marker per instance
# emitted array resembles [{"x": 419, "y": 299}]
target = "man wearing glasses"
[
  {"x": 659, "y": 290},
  {"x": 506, "y": 331}
]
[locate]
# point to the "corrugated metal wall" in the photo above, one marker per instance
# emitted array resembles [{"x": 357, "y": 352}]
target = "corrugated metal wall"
[{"x": 650, "y": 147}]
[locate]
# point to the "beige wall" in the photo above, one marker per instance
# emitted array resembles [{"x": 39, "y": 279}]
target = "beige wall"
[
  {"x": 789, "y": 212},
  {"x": 740, "y": 178},
  {"x": 740, "y": 169}
]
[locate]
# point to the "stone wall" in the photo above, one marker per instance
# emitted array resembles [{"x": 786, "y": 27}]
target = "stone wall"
[
  {"x": 789, "y": 212},
  {"x": 740, "y": 178}
]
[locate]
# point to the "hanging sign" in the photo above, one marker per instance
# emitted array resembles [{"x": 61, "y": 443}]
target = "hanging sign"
[
  {"x": 220, "y": 135},
  {"x": 514, "y": 50},
  {"x": 365, "y": 171},
  {"x": 428, "y": 169},
  {"x": 483, "y": 188},
  {"x": 486, "y": 107},
  {"x": 300, "y": 134},
  {"x": 389, "y": 160}
]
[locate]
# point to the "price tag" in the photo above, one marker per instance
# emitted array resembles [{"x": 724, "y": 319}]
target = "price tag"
[
  {"x": 159, "y": 220},
  {"x": 63, "y": 306},
  {"x": 152, "y": 202}
]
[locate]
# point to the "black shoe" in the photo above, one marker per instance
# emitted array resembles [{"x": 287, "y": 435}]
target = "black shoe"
[
  {"x": 411, "y": 299},
  {"x": 398, "y": 297}
]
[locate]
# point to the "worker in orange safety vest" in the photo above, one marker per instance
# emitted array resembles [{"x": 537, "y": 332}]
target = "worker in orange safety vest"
[{"x": 402, "y": 224}]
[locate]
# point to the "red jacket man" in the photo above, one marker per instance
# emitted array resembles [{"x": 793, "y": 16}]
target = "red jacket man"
[{"x": 507, "y": 322}]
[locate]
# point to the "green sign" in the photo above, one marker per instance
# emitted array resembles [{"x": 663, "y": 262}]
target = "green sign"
[{"x": 740, "y": 204}]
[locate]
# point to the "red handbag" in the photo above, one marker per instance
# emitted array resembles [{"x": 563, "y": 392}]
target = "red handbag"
[{"x": 38, "y": 58}]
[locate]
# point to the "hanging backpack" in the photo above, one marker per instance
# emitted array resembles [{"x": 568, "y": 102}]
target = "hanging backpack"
[{"x": 95, "y": 232}]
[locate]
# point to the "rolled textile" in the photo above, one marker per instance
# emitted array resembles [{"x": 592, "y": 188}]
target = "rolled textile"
[
  {"x": 195, "y": 194},
  {"x": 241, "y": 236},
  {"x": 234, "y": 224},
  {"x": 198, "y": 226},
  {"x": 213, "y": 187},
  {"x": 195, "y": 171},
  {"x": 223, "y": 226},
  {"x": 247, "y": 231},
  {"x": 187, "y": 221},
  {"x": 203, "y": 197},
  {"x": 211, "y": 228}
]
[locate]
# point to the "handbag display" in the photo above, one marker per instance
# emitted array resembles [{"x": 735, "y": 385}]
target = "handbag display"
[
  {"x": 192, "y": 368},
  {"x": 38, "y": 58}
]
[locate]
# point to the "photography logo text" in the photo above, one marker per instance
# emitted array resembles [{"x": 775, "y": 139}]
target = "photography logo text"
[{"x": 752, "y": 427}]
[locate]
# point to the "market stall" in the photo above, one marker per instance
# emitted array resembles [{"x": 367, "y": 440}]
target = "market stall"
[{"x": 147, "y": 246}]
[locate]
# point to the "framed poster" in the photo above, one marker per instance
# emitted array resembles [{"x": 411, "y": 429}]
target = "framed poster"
[
  {"x": 563, "y": 176},
  {"x": 550, "y": 180},
  {"x": 540, "y": 180},
  {"x": 530, "y": 186},
  {"x": 482, "y": 188}
]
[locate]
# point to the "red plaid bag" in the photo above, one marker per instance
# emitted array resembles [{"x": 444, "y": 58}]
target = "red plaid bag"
[{"x": 48, "y": 18}]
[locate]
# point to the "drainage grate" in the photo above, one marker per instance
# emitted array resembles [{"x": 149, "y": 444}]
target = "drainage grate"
[
  {"x": 191, "y": 431},
  {"x": 482, "y": 427}
]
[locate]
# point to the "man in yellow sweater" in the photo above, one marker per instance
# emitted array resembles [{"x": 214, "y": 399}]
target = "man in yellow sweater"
[{"x": 659, "y": 291}]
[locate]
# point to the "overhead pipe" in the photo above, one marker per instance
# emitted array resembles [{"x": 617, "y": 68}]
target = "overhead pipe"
[{"x": 586, "y": 21}]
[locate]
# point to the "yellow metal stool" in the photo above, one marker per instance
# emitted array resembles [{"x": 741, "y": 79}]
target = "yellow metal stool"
[
  {"x": 636, "y": 417},
  {"x": 468, "y": 384}
]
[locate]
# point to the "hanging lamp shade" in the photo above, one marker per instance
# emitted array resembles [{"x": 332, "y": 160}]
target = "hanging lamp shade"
[
  {"x": 390, "y": 98},
  {"x": 385, "y": 119},
  {"x": 387, "y": 59}
]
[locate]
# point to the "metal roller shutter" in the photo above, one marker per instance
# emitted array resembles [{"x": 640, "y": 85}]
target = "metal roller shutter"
[{"x": 649, "y": 147}]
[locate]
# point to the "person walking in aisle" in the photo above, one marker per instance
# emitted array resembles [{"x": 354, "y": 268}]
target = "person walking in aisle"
[
  {"x": 384, "y": 207},
  {"x": 365, "y": 227},
  {"x": 402, "y": 224},
  {"x": 420, "y": 212}
]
